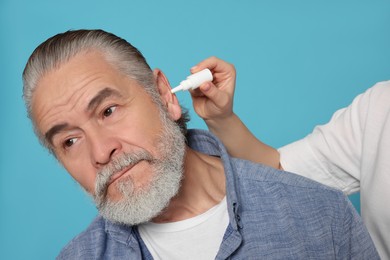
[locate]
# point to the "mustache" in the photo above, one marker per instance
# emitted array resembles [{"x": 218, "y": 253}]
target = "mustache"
[{"x": 118, "y": 164}]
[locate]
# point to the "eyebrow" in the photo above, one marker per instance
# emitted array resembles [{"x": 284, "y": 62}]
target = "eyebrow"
[
  {"x": 53, "y": 131},
  {"x": 92, "y": 105},
  {"x": 101, "y": 96}
]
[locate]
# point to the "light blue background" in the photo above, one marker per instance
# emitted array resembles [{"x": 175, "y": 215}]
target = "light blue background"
[{"x": 297, "y": 62}]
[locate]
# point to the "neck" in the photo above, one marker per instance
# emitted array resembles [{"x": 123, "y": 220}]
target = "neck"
[{"x": 202, "y": 187}]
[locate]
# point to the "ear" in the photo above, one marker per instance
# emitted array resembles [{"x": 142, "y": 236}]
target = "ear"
[{"x": 168, "y": 99}]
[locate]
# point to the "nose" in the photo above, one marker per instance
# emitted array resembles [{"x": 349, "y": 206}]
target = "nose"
[{"x": 103, "y": 146}]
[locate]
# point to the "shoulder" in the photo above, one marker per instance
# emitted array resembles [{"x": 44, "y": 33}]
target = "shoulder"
[
  {"x": 379, "y": 96},
  {"x": 376, "y": 96},
  {"x": 373, "y": 106},
  {"x": 264, "y": 189},
  {"x": 256, "y": 172},
  {"x": 85, "y": 241},
  {"x": 299, "y": 209},
  {"x": 261, "y": 180},
  {"x": 382, "y": 87}
]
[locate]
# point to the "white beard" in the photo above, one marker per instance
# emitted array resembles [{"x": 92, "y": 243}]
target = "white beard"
[{"x": 142, "y": 204}]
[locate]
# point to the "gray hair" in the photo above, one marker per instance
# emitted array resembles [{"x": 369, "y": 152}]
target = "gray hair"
[{"x": 62, "y": 47}]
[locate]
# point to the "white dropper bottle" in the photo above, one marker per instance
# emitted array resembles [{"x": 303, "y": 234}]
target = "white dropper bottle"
[{"x": 194, "y": 81}]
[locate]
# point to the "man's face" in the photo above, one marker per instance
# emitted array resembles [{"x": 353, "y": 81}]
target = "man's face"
[{"x": 105, "y": 129}]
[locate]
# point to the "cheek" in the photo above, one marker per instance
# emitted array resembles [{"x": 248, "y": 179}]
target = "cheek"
[{"x": 143, "y": 133}]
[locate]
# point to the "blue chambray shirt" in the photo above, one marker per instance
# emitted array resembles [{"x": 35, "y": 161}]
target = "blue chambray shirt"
[{"x": 273, "y": 215}]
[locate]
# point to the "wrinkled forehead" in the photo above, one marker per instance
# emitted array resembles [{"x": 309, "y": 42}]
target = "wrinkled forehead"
[{"x": 71, "y": 83}]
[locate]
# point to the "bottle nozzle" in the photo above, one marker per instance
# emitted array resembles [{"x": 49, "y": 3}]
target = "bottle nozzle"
[
  {"x": 194, "y": 81},
  {"x": 174, "y": 90}
]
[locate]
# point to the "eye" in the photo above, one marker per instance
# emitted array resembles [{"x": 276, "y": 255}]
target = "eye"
[
  {"x": 69, "y": 142},
  {"x": 109, "y": 111}
]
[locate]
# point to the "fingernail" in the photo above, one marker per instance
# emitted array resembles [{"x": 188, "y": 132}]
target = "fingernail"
[{"x": 206, "y": 87}]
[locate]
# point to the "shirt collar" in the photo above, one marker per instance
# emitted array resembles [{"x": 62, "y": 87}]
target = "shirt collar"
[{"x": 205, "y": 142}]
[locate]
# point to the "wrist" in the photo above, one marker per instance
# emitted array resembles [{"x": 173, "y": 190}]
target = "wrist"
[{"x": 221, "y": 123}]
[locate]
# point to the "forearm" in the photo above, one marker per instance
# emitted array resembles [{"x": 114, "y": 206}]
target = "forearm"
[{"x": 241, "y": 143}]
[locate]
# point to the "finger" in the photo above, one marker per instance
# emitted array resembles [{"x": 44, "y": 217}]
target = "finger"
[
  {"x": 196, "y": 93},
  {"x": 214, "y": 64},
  {"x": 218, "y": 97}
]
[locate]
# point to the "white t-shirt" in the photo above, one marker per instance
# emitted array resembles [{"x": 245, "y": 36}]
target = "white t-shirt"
[
  {"x": 352, "y": 153},
  {"x": 196, "y": 238}
]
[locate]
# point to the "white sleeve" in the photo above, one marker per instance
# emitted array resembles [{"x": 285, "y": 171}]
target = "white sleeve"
[{"x": 331, "y": 154}]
